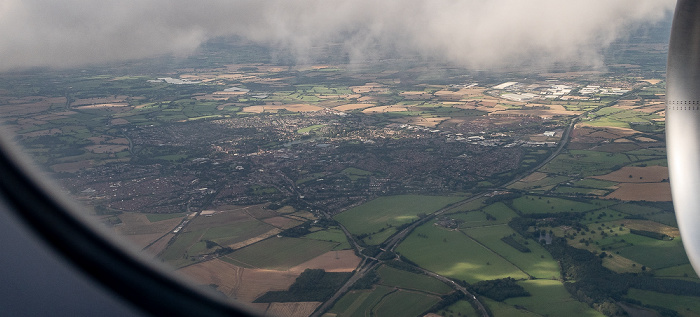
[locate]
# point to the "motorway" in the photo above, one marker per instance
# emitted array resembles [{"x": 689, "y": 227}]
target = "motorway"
[{"x": 390, "y": 245}]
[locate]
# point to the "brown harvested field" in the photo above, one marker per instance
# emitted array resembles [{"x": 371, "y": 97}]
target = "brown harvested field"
[
  {"x": 160, "y": 245},
  {"x": 393, "y": 108},
  {"x": 536, "y": 176},
  {"x": 118, "y": 121},
  {"x": 275, "y": 108},
  {"x": 652, "y": 81},
  {"x": 636, "y": 174},
  {"x": 589, "y": 134},
  {"x": 648, "y": 225},
  {"x": 642, "y": 192},
  {"x": 282, "y": 222},
  {"x": 333, "y": 261},
  {"x": 369, "y": 87},
  {"x": 138, "y": 224},
  {"x": 353, "y": 106},
  {"x": 239, "y": 283},
  {"x": 71, "y": 167},
  {"x": 298, "y": 309}
]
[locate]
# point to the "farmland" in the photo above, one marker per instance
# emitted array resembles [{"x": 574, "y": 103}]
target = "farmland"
[
  {"x": 279, "y": 253},
  {"x": 461, "y": 257},
  {"x": 379, "y": 218}
]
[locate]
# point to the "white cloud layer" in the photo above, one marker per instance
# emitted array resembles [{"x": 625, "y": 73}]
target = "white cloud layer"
[{"x": 468, "y": 33}]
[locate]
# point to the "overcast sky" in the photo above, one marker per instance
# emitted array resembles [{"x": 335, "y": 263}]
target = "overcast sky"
[{"x": 469, "y": 33}]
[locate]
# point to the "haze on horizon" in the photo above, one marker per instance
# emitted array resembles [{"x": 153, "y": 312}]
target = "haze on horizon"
[{"x": 474, "y": 34}]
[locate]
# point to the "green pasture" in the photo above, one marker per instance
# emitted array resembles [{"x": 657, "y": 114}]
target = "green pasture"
[
  {"x": 550, "y": 298},
  {"x": 460, "y": 256},
  {"x": 585, "y": 163},
  {"x": 684, "y": 305},
  {"x": 402, "y": 279},
  {"x": 602, "y": 215},
  {"x": 404, "y": 303},
  {"x": 685, "y": 272},
  {"x": 475, "y": 218},
  {"x": 279, "y": 253},
  {"x": 331, "y": 235},
  {"x": 355, "y": 173},
  {"x": 530, "y": 204},
  {"x": 538, "y": 263},
  {"x": 646, "y": 251},
  {"x": 161, "y": 217},
  {"x": 542, "y": 185},
  {"x": 390, "y": 211},
  {"x": 308, "y": 129},
  {"x": 501, "y": 212},
  {"x": 636, "y": 210},
  {"x": 359, "y": 303},
  {"x": 461, "y": 308},
  {"x": 501, "y": 309}
]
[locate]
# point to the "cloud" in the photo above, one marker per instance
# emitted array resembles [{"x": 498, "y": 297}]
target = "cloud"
[{"x": 467, "y": 33}]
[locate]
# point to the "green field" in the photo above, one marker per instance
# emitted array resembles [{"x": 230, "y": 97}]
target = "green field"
[
  {"x": 404, "y": 303},
  {"x": 550, "y": 298},
  {"x": 501, "y": 212},
  {"x": 279, "y": 253},
  {"x": 585, "y": 163},
  {"x": 332, "y": 235},
  {"x": 308, "y": 129},
  {"x": 407, "y": 280},
  {"x": 646, "y": 251},
  {"x": 541, "y": 185},
  {"x": 502, "y": 309},
  {"x": 161, "y": 217},
  {"x": 529, "y": 204},
  {"x": 359, "y": 303},
  {"x": 538, "y": 263},
  {"x": 684, "y": 272},
  {"x": 636, "y": 210},
  {"x": 389, "y": 212},
  {"x": 460, "y": 256},
  {"x": 594, "y": 183},
  {"x": 685, "y": 305},
  {"x": 472, "y": 219}
]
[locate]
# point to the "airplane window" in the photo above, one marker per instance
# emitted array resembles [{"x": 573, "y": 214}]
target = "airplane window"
[{"x": 316, "y": 158}]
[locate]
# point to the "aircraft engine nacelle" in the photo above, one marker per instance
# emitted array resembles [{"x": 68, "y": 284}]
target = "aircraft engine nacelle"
[{"x": 683, "y": 124}]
